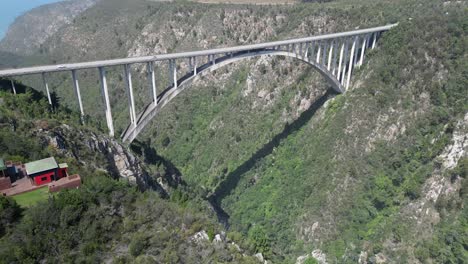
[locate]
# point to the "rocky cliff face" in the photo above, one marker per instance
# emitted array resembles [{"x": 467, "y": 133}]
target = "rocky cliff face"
[
  {"x": 99, "y": 152},
  {"x": 359, "y": 178},
  {"x": 29, "y": 31}
]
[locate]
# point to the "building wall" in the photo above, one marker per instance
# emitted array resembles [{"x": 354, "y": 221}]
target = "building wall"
[
  {"x": 44, "y": 178},
  {"x": 62, "y": 173}
]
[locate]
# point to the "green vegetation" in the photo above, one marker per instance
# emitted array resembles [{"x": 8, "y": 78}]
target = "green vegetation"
[
  {"x": 105, "y": 219},
  {"x": 105, "y": 216},
  {"x": 347, "y": 174},
  {"x": 31, "y": 198},
  {"x": 10, "y": 213}
]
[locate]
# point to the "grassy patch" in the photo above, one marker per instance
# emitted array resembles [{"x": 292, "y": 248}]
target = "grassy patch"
[{"x": 31, "y": 198}]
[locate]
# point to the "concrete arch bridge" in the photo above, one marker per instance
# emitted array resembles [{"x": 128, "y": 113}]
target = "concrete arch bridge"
[{"x": 334, "y": 56}]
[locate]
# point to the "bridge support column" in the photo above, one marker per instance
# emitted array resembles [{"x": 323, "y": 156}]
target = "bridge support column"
[
  {"x": 131, "y": 101},
  {"x": 46, "y": 86},
  {"x": 195, "y": 65},
  {"x": 363, "y": 49},
  {"x": 152, "y": 81},
  {"x": 174, "y": 73},
  {"x": 318, "y": 52},
  {"x": 105, "y": 94},
  {"x": 312, "y": 52},
  {"x": 78, "y": 94},
  {"x": 343, "y": 74},
  {"x": 169, "y": 73},
  {"x": 13, "y": 88},
  {"x": 330, "y": 55},
  {"x": 340, "y": 61},
  {"x": 300, "y": 50},
  {"x": 351, "y": 63},
  {"x": 334, "y": 57},
  {"x": 356, "y": 49},
  {"x": 324, "y": 52},
  {"x": 374, "y": 40}
]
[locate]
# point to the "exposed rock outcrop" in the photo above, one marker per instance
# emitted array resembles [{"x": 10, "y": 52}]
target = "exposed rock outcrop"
[{"x": 100, "y": 152}]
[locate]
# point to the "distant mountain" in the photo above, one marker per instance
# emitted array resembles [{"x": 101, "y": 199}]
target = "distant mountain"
[{"x": 30, "y": 30}]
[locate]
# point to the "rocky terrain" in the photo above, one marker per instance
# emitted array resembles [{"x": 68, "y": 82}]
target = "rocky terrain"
[
  {"x": 27, "y": 34},
  {"x": 376, "y": 175}
]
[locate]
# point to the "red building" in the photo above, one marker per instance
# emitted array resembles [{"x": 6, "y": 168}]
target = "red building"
[{"x": 45, "y": 171}]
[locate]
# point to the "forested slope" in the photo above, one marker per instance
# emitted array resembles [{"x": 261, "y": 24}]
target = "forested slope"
[{"x": 376, "y": 174}]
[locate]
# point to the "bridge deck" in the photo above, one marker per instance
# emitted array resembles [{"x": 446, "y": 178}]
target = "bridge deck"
[{"x": 115, "y": 62}]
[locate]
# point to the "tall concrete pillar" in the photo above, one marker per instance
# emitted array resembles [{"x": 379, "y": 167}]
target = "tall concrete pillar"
[
  {"x": 105, "y": 95},
  {"x": 318, "y": 52},
  {"x": 341, "y": 60},
  {"x": 351, "y": 63},
  {"x": 345, "y": 60},
  {"x": 152, "y": 81},
  {"x": 356, "y": 49},
  {"x": 131, "y": 100},
  {"x": 336, "y": 44},
  {"x": 46, "y": 86},
  {"x": 13, "y": 88},
  {"x": 324, "y": 52},
  {"x": 312, "y": 52},
  {"x": 374, "y": 40},
  {"x": 195, "y": 65},
  {"x": 77, "y": 93},
  {"x": 170, "y": 73},
  {"x": 174, "y": 73},
  {"x": 190, "y": 63},
  {"x": 363, "y": 50},
  {"x": 300, "y": 50},
  {"x": 330, "y": 55},
  {"x": 306, "y": 52}
]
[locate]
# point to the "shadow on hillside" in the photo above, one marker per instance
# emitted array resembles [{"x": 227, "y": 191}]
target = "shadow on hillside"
[
  {"x": 232, "y": 179},
  {"x": 150, "y": 156}
]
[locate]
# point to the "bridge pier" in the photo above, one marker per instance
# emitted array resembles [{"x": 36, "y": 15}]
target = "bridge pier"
[
  {"x": 375, "y": 40},
  {"x": 312, "y": 52},
  {"x": 351, "y": 63},
  {"x": 324, "y": 52},
  {"x": 131, "y": 101},
  {"x": 46, "y": 86},
  {"x": 343, "y": 74},
  {"x": 341, "y": 60},
  {"x": 152, "y": 81},
  {"x": 330, "y": 55},
  {"x": 356, "y": 50},
  {"x": 78, "y": 94},
  {"x": 105, "y": 95},
  {"x": 174, "y": 73},
  {"x": 363, "y": 50},
  {"x": 335, "y": 45},
  {"x": 13, "y": 88},
  {"x": 318, "y": 52}
]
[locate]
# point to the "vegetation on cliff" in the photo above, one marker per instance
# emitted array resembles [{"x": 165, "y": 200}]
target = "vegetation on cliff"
[{"x": 363, "y": 175}]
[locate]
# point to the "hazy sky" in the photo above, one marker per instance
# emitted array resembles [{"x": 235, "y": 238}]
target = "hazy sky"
[{"x": 10, "y": 9}]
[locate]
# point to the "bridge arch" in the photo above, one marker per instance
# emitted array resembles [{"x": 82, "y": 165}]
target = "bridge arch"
[{"x": 152, "y": 109}]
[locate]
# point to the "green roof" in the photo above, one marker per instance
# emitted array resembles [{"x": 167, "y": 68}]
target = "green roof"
[
  {"x": 41, "y": 165},
  {"x": 2, "y": 164}
]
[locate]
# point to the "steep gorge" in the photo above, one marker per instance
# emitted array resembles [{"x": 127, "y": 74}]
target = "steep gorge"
[{"x": 358, "y": 177}]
